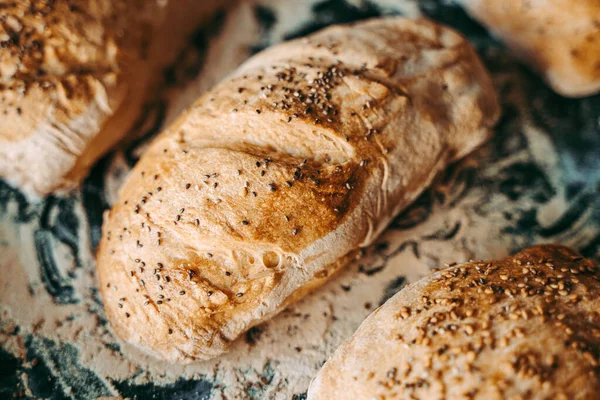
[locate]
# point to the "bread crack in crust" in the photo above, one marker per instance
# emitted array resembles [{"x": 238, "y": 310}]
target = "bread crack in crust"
[{"x": 272, "y": 181}]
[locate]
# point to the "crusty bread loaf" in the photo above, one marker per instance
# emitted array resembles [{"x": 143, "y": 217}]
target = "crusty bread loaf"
[
  {"x": 559, "y": 38},
  {"x": 74, "y": 76},
  {"x": 523, "y": 327},
  {"x": 274, "y": 179}
]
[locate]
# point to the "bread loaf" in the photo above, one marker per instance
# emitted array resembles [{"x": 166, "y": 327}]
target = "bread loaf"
[
  {"x": 523, "y": 327},
  {"x": 274, "y": 179},
  {"x": 73, "y": 79},
  {"x": 558, "y": 38}
]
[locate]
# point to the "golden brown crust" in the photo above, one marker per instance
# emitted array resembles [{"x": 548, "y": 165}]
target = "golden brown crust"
[
  {"x": 559, "y": 38},
  {"x": 523, "y": 327},
  {"x": 73, "y": 79},
  {"x": 272, "y": 179}
]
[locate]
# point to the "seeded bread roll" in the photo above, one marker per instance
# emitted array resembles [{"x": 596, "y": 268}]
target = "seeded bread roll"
[
  {"x": 274, "y": 179},
  {"x": 558, "y": 38},
  {"x": 73, "y": 79},
  {"x": 523, "y": 327}
]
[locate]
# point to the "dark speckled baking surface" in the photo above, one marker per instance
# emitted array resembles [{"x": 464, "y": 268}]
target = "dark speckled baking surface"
[{"x": 537, "y": 180}]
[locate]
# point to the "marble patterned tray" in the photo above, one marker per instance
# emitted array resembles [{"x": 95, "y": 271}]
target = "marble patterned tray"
[{"x": 537, "y": 180}]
